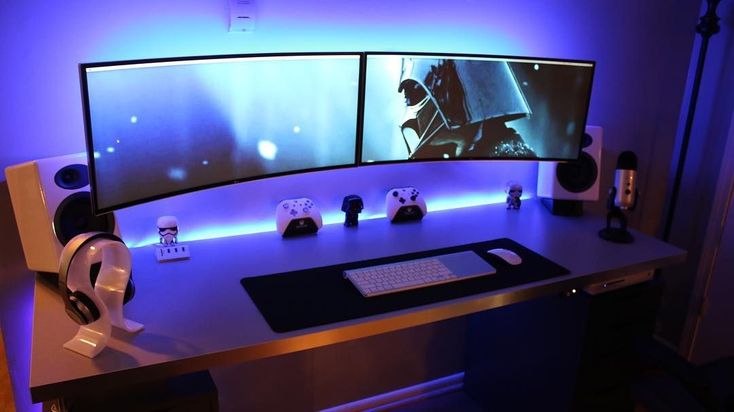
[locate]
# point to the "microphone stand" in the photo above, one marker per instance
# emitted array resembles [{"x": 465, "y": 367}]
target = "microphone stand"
[
  {"x": 617, "y": 234},
  {"x": 707, "y": 27}
]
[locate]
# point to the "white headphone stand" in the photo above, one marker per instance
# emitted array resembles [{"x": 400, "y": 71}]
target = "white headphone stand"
[{"x": 107, "y": 294}]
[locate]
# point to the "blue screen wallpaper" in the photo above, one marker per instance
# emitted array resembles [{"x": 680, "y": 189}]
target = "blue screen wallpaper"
[
  {"x": 445, "y": 107},
  {"x": 170, "y": 127}
]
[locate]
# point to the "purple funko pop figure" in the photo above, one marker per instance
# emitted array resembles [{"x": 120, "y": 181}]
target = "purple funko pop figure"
[{"x": 514, "y": 191}]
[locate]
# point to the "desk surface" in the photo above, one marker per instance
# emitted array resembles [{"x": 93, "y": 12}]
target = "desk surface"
[{"x": 197, "y": 316}]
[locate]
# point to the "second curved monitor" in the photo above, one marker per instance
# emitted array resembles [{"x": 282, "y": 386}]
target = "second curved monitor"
[{"x": 433, "y": 107}]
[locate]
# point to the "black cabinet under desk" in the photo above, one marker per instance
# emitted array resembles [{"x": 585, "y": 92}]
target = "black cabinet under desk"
[{"x": 525, "y": 357}]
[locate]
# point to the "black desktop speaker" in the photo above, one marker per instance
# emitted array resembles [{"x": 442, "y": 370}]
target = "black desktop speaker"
[
  {"x": 52, "y": 204},
  {"x": 564, "y": 186}
]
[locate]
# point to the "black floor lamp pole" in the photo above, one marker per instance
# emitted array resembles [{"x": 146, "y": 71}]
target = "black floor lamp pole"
[{"x": 707, "y": 27}]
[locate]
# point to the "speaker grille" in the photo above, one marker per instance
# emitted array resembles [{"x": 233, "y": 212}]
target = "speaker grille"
[
  {"x": 579, "y": 175},
  {"x": 74, "y": 216}
]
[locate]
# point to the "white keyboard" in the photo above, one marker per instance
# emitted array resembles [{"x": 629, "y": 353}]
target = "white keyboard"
[{"x": 418, "y": 273}]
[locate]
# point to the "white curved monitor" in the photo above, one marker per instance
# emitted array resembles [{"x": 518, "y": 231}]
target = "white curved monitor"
[{"x": 163, "y": 127}]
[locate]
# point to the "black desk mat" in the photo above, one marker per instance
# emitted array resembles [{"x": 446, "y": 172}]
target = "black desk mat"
[{"x": 318, "y": 296}]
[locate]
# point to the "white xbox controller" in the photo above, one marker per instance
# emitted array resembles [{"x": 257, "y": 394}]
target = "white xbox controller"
[
  {"x": 405, "y": 203},
  {"x": 297, "y": 216}
]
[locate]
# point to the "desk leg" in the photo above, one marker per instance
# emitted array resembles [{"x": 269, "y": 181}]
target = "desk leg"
[{"x": 525, "y": 356}]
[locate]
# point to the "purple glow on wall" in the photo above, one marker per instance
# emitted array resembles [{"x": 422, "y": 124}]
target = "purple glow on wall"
[
  {"x": 250, "y": 207},
  {"x": 331, "y": 216},
  {"x": 43, "y": 70},
  {"x": 140, "y": 29}
]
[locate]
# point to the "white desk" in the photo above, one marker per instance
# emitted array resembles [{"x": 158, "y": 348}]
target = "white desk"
[{"x": 197, "y": 315}]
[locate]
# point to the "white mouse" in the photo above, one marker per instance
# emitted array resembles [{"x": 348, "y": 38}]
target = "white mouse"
[{"x": 506, "y": 255}]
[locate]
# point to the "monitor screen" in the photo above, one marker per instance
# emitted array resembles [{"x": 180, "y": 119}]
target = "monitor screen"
[
  {"x": 158, "y": 128},
  {"x": 431, "y": 107}
]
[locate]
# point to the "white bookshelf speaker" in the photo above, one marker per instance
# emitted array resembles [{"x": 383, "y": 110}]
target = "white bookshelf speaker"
[
  {"x": 563, "y": 186},
  {"x": 52, "y": 204}
]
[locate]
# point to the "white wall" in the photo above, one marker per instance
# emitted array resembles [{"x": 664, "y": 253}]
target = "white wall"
[{"x": 642, "y": 52}]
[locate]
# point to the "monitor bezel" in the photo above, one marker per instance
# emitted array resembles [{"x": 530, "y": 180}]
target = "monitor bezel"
[
  {"x": 362, "y": 162},
  {"x": 363, "y": 58},
  {"x": 96, "y": 209}
]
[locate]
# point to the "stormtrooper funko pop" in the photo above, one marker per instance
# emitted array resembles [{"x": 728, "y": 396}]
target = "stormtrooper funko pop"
[
  {"x": 168, "y": 247},
  {"x": 168, "y": 230},
  {"x": 514, "y": 191}
]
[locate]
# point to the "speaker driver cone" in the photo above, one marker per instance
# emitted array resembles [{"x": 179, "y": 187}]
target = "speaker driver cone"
[
  {"x": 74, "y": 216},
  {"x": 579, "y": 175}
]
